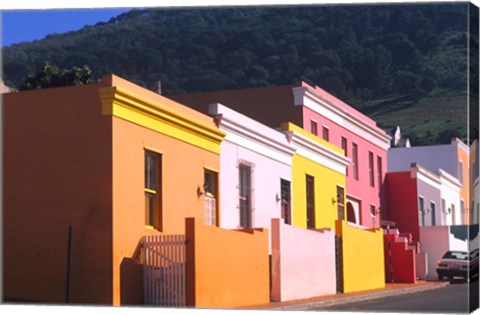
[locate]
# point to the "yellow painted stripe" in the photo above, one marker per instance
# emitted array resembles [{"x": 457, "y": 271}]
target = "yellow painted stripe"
[
  {"x": 288, "y": 126},
  {"x": 128, "y": 106}
]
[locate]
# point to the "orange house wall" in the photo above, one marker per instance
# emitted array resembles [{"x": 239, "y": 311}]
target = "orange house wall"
[
  {"x": 57, "y": 172},
  {"x": 182, "y": 173}
]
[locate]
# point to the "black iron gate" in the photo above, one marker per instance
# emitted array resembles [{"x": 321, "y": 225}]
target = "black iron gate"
[{"x": 339, "y": 263}]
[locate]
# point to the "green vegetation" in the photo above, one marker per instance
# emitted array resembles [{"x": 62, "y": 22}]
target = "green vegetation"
[
  {"x": 389, "y": 61},
  {"x": 51, "y": 76}
]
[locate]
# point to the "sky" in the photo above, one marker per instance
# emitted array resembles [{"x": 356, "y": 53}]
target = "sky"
[{"x": 29, "y": 25}]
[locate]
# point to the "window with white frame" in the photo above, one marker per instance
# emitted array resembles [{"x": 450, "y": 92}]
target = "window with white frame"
[
  {"x": 245, "y": 196},
  {"x": 421, "y": 212},
  {"x": 355, "y": 160},
  {"x": 325, "y": 133},
  {"x": 210, "y": 197},
  {"x": 373, "y": 216},
  {"x": 314, "y": 127}
]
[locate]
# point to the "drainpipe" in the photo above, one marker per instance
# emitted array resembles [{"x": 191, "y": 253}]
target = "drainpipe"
[{"x": 69, "y": 255}]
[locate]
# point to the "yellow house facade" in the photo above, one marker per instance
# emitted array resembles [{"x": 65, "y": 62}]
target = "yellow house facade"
[{"x": 318, "y": 180}]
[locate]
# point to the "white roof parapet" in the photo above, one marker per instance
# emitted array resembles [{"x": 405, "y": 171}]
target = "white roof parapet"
[
  {"x": 423, "y": 174},
  {"x": 445, "y": 177},
  {"x": 317, "y": 152},
  {"x": 251, "y": 134},
  {"x": 339, "y": 115}
]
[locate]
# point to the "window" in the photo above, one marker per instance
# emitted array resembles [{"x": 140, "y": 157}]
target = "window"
[
  {"x": 421, "y": 211},
  {"x": 340, "y": 203},
  {"x": 325, "y": 134},
  {"x": 432, "y": 212},
  {"x": 310, "y": 194},
  {"x": 345, "y": 150},
  {"x": 444, "y": 210},
  {"x": 355, "y": 160},
  {"x": 153, "y": 190},
  {"x": 210, "y": 197},
  {"x": 379, "y": 171},
  {"x": 373, "y": 216},
  {"x": 245, "y": 196},
  {"x": 371, "y": 170},
  {"x": 285, "y": 198},
  {"x": 313, "y": 127}
]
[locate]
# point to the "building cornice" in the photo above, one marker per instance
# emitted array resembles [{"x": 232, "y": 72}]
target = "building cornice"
[
  {"x": 231, "y": 126},
  {"x": 426, "y": 176},
  {"x": 317, "y": 152},
  {"x": 446, "y": 178},
  {"x": 383, "y": 140},
  {"x": 155, "y": 116}
]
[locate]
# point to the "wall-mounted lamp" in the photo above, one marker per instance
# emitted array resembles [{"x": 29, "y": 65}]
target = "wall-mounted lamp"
[
  {"x": 277, "y": 198},
  {"x": 200, "y": 191},
  {"x": 339, "y": 197}
]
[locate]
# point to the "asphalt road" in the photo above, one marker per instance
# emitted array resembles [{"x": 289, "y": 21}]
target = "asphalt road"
[{"x": 453, "y": 298}]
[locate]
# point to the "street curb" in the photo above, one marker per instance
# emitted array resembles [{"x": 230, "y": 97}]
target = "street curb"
[{"x": 358, "y": 298}]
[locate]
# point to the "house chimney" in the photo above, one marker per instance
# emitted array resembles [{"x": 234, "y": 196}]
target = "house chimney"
[{"x": 159, "y": 87}]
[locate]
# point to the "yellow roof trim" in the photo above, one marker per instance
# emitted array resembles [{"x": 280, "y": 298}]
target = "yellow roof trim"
[{"x": 124, "y": 104}]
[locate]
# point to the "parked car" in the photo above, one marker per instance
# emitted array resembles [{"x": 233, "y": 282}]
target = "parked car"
[{"x": 458, "y": 264}]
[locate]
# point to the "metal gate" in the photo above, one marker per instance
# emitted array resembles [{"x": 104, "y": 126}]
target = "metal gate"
[
  {"x": 163, "y": 259},
  {"x": 339, "y": 263}
]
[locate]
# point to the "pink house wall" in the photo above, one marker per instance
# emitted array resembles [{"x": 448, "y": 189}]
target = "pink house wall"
[
  {"x": 357, "y": 188},
  {"x": 269, "y": 156},
  {"x": 266, "y": 175},
  {"x": 303, "y": 262}
]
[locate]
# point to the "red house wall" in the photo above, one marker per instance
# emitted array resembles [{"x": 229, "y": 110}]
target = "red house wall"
[
  {"x": 402, "y": 204},
  {"x": 402, "y": 267}
]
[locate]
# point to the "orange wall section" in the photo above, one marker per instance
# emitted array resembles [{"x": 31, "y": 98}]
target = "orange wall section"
[
  {"x": 226, "y": 268},
  {"x": 57, "y": 172}
]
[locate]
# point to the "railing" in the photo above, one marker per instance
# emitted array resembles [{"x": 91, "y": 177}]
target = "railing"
[
  {"x": 210, "y": 211},
  {"x": 163, "y": 258}
]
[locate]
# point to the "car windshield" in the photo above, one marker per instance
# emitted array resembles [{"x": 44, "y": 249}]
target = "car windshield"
[{"x": 456, "y": 255}]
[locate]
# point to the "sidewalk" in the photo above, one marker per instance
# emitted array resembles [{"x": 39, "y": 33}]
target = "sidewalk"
[{"x": 390, "y": 289}]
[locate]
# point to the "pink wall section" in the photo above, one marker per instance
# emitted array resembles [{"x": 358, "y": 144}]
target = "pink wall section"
[
  {"x": 359, "y": 189},
  {"x": 303, "y": 262}
]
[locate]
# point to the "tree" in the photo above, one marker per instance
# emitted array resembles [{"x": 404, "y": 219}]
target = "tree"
[{"x": 50, "y": 76}]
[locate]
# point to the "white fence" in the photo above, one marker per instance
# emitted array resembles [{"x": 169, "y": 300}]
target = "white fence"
[{"x": 163, "y": 258}]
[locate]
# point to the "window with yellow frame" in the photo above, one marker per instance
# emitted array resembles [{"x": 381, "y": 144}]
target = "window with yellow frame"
[{"x": 153, "y": 190}]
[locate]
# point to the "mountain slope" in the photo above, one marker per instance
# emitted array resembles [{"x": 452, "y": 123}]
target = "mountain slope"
[{"x": 361, "y": 54}]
